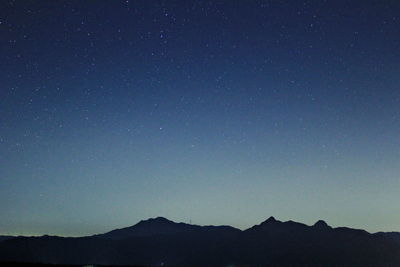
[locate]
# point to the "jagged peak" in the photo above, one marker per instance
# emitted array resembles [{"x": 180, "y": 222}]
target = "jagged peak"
[{"x": 270, "y": 220}]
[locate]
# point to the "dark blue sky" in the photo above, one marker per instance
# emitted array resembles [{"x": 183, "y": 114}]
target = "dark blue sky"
[{"x": 214, "y": 112}]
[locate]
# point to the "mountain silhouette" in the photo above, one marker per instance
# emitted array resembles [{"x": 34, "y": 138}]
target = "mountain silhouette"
[
  {"x": 158, "y": 226},
  {"x": 161, "y": 242}
]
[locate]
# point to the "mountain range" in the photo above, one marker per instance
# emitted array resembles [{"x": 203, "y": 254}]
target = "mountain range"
[{"x": 161, "y": 242}]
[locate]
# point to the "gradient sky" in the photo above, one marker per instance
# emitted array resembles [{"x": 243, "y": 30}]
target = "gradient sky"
[{"x": 210, "y": 112}]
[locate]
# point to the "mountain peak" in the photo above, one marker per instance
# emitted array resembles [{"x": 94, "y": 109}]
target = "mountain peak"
[
  {"x": 156, "y": 223},
  {"x": 150, "y": 227},
  {"x": 321, "y": 224},
  {"x": 270, "y": 220},
  {"x": 157, "y": 220}
]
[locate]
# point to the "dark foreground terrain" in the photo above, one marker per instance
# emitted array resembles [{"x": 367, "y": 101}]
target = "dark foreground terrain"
[
  {"x": 160, "y": 242},
  {"x": 30, "y": 264}
]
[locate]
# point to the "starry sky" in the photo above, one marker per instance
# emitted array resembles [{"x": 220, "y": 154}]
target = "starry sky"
[{"x": 209, "y": 112}]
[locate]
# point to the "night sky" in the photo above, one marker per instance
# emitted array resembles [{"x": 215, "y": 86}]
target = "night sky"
[{"x": 209, "y": 112}]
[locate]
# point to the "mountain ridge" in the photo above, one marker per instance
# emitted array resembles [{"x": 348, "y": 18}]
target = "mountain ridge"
[
  {"x": 162, "y": 242},
  {"x": 156, "y": 226},
  {"x": 318, "y": 223}
]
